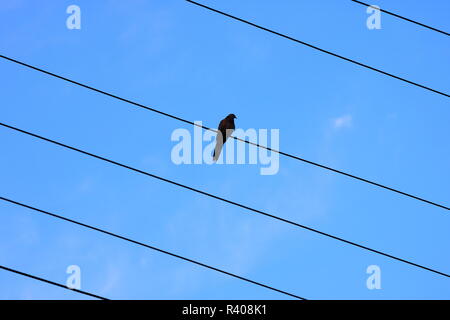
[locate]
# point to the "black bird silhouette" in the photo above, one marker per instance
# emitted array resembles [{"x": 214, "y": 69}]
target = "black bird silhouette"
[{"x": 226, "y": 128}]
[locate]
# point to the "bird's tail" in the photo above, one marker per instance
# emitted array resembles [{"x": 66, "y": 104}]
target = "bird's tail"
[{"x": 216, "y": 152}]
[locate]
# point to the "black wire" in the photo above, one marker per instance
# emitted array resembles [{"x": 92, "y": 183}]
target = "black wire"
[
  {"x": 236, "y": 138},
  {"x": 223, "y": 199},
  {"x": 150, "y": 247},
  {"x": 320, "y": 49},
  {"x": 52, "y": 283},
  {"x": 399, "y": 16}
]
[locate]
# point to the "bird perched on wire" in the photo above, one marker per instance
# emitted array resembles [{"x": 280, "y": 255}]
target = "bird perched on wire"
[{"x": 226, "y": 128}]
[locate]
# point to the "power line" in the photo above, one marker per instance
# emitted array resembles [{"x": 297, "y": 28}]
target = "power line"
[
  {"x": 320, "y": 49},
  {"x": 223, "y": 199},
  {"x": 52, "y": 283},
  {"x": 399, "y": 16},
  {"x": 150, "y": 247},
  {"x": 236, "y": 138}
]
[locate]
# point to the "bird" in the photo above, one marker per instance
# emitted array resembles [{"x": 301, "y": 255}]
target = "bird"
[{"x": 226, "y": 128}]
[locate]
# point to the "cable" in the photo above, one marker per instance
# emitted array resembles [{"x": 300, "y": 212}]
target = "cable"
[
  {"x": 150, "y": 247},
  {"x": 321, "y": 50},
  {"x": 222, "y": 199},
  {"x": 52, "y": 283},
  {"x": 236, "y": 138},
  {"x": 398, "y": 16}
]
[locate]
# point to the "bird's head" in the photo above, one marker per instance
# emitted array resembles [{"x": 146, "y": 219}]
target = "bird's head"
[{"x": 231, "y": 116}]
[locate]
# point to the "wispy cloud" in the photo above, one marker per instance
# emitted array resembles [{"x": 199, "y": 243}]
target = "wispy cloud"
[
  {"x": 343, "y": 122},
  {"x": 113, "y": 279}
]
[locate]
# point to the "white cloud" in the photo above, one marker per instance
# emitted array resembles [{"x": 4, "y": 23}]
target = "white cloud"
[{"x": 343, "y": 122}]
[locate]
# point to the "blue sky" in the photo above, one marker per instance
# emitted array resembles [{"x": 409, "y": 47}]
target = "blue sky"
[{"x": 184, "y": 60}]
